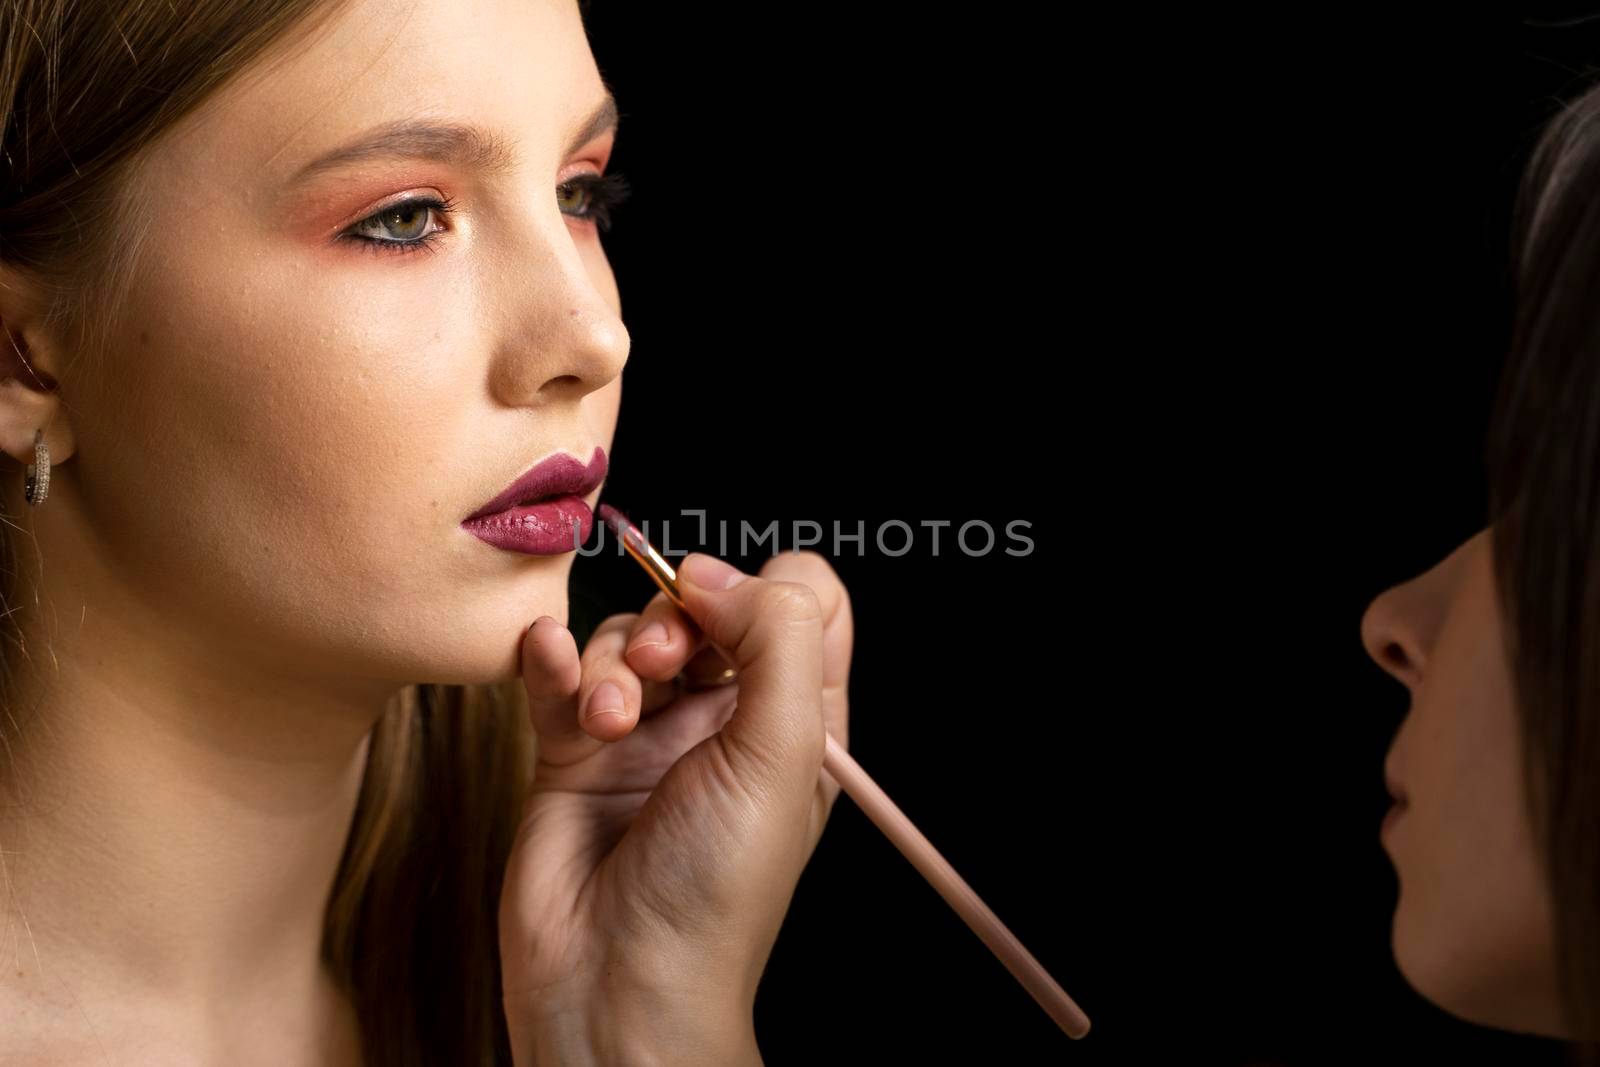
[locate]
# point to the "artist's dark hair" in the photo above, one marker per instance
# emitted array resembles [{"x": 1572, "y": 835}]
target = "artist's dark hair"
[
  {"x": 1543, "y": 465},
  {"x": 410, "y": 930}
]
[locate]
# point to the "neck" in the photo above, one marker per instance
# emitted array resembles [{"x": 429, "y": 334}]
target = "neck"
[{"x": 170, "y": 829}]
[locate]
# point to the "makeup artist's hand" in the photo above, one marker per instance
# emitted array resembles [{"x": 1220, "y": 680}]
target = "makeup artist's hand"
[{"x": 660, "y": 848}]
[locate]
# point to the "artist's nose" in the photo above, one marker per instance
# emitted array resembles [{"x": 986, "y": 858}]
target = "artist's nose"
[{"x": 1400, "y": 626}]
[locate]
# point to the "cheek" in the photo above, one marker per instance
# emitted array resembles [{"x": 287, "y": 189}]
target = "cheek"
[{"x": 307, "y": 440}]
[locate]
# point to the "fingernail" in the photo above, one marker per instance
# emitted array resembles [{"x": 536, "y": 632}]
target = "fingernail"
[
  {"x": 709, "y": 572},
  {"x": 605, "y": 700},
  {"x": 654, "y": 634}
]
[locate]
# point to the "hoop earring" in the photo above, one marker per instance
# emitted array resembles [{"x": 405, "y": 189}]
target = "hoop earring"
[{"x": 36, "y": 485}]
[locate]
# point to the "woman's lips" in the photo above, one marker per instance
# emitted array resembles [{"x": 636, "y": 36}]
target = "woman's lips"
[
  {"x": 542, "y": 528},
  {"x": 554, "y": 476}
]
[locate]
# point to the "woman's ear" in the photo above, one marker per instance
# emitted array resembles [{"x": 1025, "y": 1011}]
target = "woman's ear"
[{"x": 29, "y": 392}]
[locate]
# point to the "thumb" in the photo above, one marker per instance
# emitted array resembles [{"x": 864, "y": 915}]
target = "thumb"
[{"x": 772, "y": 630}]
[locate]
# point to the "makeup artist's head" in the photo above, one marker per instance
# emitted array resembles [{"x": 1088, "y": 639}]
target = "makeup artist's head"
[
  {"x": 1497, "y": 851},
  {"x": 273, "y": 389}
]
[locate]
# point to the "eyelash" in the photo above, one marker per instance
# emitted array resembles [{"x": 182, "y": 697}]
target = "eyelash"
[{"x": 606, "y": 192}]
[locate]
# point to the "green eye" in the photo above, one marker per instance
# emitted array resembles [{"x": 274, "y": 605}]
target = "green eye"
[
  {"x": 401, "y": 226},
  {"x": 601, "y": 192},
  {"x": 408, "y": 220},
  {"x": 569, "y": 187}
]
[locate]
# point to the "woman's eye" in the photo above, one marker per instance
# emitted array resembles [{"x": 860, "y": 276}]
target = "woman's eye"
[
  {"x": 600, "y": 192},
  {"x": 407, "y": 218},
  {"x": 404, "y": 224}
]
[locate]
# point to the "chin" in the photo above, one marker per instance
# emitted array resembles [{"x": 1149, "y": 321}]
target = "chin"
[{"x": 1486, "y": 987}]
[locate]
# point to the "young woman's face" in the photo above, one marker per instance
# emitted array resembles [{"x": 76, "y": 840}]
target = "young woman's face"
[
  {"x": 1472, "y": 926},
  {"x": 278, "y": 455}
]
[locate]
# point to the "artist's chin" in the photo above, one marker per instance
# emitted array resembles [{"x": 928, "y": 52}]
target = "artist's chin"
[{"x": 1482, "y": 993}]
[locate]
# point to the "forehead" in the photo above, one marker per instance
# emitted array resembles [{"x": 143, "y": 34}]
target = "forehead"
[{"x": 522, "y": 67}]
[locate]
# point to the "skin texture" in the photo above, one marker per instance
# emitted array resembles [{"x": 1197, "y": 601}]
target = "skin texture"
[{"x": 1471, "y": 928}]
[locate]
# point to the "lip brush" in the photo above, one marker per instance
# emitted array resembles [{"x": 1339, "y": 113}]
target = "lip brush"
[{"x": 896, "y": 827}]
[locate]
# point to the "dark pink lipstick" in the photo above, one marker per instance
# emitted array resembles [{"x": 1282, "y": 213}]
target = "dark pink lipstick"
[{"x": 543, "y": 512}]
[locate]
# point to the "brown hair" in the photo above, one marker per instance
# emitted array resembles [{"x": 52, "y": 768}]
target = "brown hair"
[
  {"x": 410, "y": 928},
  {"x": 1543, "y": 462}
]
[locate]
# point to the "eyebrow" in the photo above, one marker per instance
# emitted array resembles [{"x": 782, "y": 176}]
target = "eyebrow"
[{"x": 463, "y": 145}]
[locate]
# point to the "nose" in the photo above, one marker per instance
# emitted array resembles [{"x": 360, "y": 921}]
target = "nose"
[
  {"x": 1391, "y": 636},
  {"x": 566, "y": 337},
  {"x": 1399, "y": 627}
]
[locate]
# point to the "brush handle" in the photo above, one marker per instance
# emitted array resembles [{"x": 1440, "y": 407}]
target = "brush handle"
[{"x": 937, "y": 870}]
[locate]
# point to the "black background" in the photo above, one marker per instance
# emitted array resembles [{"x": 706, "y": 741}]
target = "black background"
[{"x": 1217, "y": 307}]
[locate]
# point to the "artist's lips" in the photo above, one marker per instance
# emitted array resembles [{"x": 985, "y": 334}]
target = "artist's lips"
[
  {"x": 1391, "y": 817},
  {"x": 543, "y": 512},
  {"x": 1391, "y": 782},
  {"x": 1397, "y": 791}
]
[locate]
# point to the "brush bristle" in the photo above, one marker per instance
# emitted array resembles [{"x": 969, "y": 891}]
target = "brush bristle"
[{"x": 615, "y": 519}]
